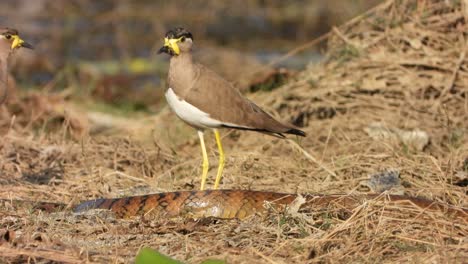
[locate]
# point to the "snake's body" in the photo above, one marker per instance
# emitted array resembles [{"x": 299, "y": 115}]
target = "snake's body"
[{"x": 228, "y": 204}]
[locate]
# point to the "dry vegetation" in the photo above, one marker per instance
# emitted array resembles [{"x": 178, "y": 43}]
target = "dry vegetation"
[{"x": 400, "y": 68}]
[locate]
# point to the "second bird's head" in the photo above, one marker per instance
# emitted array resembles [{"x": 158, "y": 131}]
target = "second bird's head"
[
  {"x": 10, "y": 40},
  {"x": 177, "y": 41}
]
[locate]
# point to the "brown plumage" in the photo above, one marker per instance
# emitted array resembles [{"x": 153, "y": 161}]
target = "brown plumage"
[
  {"x": 210, "y": 93},
  {"x": 203, "y": 99},
  {"x": 9, "y": 41}
]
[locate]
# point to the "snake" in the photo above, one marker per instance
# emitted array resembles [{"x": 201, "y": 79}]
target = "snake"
[{"x": 238, "y": 204}]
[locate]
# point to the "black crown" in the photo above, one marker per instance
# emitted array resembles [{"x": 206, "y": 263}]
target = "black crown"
[{"x": 178, "y": 32}]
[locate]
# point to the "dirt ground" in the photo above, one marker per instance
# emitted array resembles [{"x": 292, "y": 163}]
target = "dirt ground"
[{"x": 391, "y": 95}]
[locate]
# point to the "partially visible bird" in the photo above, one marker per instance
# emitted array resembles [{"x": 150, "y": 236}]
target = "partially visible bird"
[
  {"x": 9, "y": 42},
  {"x": 203, "y": 99}
]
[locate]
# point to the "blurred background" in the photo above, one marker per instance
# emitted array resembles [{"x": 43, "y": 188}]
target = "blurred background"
[{"x": 103, "y": 52}]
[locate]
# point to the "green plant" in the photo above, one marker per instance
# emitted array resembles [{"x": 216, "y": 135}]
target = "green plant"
[{"x": 150, "y": 256}]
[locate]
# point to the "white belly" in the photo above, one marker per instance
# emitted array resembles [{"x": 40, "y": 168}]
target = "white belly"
[{"x": 189, "y": 113}]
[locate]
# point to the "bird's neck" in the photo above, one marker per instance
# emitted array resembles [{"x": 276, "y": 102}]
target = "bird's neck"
[
  {"x": 183, "y": 61},
  {"x": 3, "y": 77},
  {"x": 182, "y": 72}
]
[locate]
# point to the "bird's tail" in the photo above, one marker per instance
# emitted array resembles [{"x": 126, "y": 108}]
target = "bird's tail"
[{"x": 295, "y": 131}]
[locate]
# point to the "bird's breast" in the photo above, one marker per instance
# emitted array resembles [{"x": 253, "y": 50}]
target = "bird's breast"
[{"x": 190, "y": 113}]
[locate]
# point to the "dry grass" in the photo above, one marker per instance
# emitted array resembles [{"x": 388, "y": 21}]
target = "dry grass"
[{"x": 403, "y": 65}]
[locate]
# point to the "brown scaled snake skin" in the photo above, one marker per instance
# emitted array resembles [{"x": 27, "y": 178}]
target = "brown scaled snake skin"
[{"x": 229, "y": 204}]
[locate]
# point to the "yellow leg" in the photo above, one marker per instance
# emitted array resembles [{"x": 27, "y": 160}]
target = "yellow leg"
[
  {"x": 221, "y": 159},
  {"x": 205, "y": 160}
]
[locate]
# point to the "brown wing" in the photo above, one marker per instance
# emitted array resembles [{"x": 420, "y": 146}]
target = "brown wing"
[{"x": 226, "y": 104}]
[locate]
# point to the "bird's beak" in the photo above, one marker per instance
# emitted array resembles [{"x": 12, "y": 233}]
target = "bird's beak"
[
  {"x": 170, "y": 46},
  {"x": 164, "y": 49},
  {"x": 19, "y": 43}
]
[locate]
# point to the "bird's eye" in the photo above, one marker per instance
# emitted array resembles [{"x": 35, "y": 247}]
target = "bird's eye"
[
  {"x": 182, "y": 39},
  {"x": 8, "y": 36}
]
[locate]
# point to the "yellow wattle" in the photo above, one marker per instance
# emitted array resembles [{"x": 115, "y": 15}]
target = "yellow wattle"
[
  {"x": 172, "y": 43},
  {"x": 16, "y": 42}
]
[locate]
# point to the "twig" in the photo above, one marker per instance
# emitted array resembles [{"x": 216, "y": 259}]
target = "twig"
[
  {"x": 310, "y": 157},
  {"x": 125, "y": 175},
  {"x": 451, "y": 82},
  {"x": 465, "y": 9},
  {"x": 343, "y": 37},
  {"x": 263, "y": 256},
  {"x": 326, "y": 35},
  {"x": 40, "y": 253},
  {"x": 418, "y": 241}
]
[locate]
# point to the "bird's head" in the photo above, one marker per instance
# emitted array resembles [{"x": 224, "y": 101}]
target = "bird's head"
[
  {"x": 177, "y": 41},
  {"x": 10, "y": 40}
]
